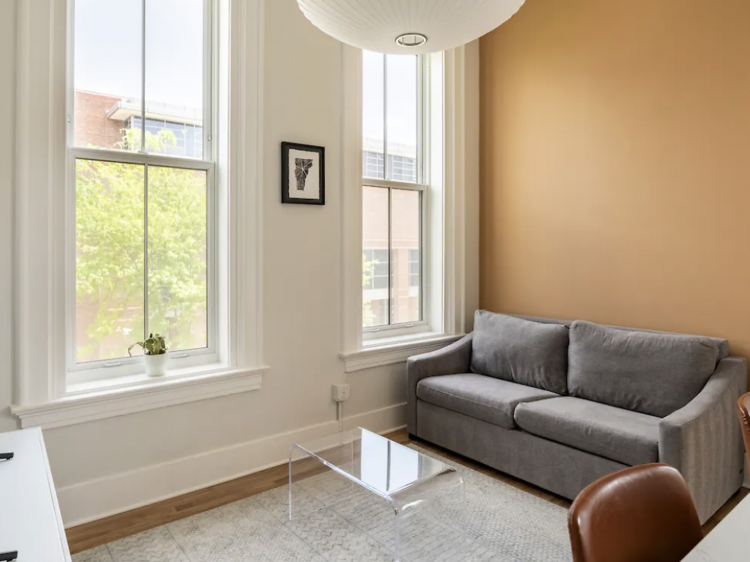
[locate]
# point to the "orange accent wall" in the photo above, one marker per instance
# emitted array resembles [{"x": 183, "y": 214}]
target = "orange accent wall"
[{"x": 615, "y": 164}]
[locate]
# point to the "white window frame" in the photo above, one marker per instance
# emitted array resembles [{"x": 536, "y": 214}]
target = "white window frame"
[
  {"x": 43, "y": 396},
  {"x": 421, "y": 185},
  {"x": 443, "y": 245},
  {"x": 88, "y": 372},
  {"x": 421, "y": 325}
]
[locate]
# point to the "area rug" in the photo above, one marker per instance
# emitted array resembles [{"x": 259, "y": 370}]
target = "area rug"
[{"x": 493, "y": 521}]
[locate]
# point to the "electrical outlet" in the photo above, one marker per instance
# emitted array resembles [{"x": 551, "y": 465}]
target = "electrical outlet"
[{"x": 340, "y": 392}]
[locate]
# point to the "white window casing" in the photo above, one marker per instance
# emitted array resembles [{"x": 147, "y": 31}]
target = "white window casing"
[
  {"x": 119, "y": 371},
  {"x": 443, "y": 210},
  {"x": 421, "y": 185},
  {"x": 46, "y": 393}
]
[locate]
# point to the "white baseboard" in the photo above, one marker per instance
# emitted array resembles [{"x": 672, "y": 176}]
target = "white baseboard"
[{"x": 96, "y": 499}]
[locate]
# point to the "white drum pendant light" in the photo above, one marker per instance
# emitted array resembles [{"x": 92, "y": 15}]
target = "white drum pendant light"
[{"x": 408, "y": 26}]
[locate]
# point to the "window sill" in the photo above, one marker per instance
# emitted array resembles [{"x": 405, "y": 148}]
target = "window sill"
[
  {"x": 117, "y": 397},
  {"x": 389, "y": 351}
]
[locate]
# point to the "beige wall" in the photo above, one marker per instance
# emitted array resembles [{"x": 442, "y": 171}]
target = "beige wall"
[{"x": 615, "y": 164}]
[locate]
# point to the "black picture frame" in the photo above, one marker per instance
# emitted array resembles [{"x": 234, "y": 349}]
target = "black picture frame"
[{"x": 287, "y": 189}]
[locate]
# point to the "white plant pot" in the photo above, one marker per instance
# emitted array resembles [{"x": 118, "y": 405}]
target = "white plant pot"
[{"x": 156, "y": 365}]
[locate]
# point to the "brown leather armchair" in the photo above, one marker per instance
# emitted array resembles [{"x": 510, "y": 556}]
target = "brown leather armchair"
[
  {"x": 743, "y": 405},
  {"x": 639, "y": 514}
]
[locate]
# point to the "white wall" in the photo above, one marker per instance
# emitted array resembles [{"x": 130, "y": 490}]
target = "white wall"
[
  {"x": 7, "y": 126},
  {"x": 107, "y": 466}
]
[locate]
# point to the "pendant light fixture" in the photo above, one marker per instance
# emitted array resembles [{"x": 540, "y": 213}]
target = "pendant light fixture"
[{"x": 408, "y": 26}]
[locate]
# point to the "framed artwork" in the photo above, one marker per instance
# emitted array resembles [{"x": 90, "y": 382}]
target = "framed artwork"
[{"x": 303, "y": 174}]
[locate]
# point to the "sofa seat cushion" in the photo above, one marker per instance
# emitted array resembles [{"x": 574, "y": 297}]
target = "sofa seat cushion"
[
  {"x": 619, "y": 435},
  {"x": 522, "y": 351},
  {"x": 483, "y": 398},
  {"x": 648, "y": 372}
]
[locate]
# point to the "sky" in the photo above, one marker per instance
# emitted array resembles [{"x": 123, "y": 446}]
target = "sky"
[
  {"x": 108, "y": 35},
  {"x": 401, "y": 98}
]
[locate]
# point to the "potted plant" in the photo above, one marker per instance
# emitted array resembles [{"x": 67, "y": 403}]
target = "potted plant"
[{"x": 154, "y": 354}]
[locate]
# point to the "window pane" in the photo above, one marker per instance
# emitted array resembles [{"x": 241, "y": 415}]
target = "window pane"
[
  {"x": 177, "y": 252},
  {"x": 372, "y": 115},
  {"x": 174, "y": 77},
  {"x": 375, "y": 256},
  {"x": 367, "y": 281},
  {"x": 405, "y": 242},
  {"x": 401, "y": 117},
  {"x": 415, "y": 268},
  {"x": 107, "y": 71},
  {"x": 109, "y": 259}
]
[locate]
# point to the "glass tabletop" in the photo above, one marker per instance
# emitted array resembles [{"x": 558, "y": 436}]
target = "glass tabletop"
[{"x": 391, "y": 470}]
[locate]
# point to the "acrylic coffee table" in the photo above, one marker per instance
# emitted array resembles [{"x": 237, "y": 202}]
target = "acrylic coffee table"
[{"x": 405, "y": 478}]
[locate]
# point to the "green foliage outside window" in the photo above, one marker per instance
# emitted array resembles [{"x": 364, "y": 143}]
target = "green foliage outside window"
[{"x": 111, "y": 257}]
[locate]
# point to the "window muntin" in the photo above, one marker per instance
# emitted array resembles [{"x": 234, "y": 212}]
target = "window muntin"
[
  {"x": 143, "y": 195},
  {"x": 392, "y": 198}
]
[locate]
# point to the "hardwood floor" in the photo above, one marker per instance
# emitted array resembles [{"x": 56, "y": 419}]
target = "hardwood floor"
[{"x": 129, "y": 523}]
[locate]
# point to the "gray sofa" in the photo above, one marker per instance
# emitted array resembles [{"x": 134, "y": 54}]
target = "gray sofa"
[{"x": 560, "y": 404}]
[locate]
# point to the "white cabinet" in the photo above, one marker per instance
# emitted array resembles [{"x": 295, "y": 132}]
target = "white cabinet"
[{"x": 30, "y": 521}]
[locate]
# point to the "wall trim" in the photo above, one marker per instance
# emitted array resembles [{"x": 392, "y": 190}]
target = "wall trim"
[
  {"x": 95, "y": 499},
  {"x": 39, "y": 201},
  {"x": 378, "y": 356},
  {"x": 152, "y": 394},
  {"x": 351, "y": 199}
]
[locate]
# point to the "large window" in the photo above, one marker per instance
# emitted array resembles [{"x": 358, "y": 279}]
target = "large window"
[
  {"x": 142, "y": 166},
  {"x": 405, "y": 206},
  {"x": 393, "y": 190},
  {"x": 121, "y": 229}
]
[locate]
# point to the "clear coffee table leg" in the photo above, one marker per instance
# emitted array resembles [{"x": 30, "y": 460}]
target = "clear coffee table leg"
[
  {"x": 324, "y": 460},
  {"x": 397, "y": 542},
  {"x": 291, "y": 502},
  {"x": 424, "y": 494},
  {"x": 436, "y": 504}
]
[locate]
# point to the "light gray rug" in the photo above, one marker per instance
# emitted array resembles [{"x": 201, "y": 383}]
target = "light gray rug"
[{"x": 496, "y": 523}]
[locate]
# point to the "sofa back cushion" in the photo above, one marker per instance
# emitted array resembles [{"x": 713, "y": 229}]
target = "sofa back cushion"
[
  {"x": 521, "y": 351},
  {"x": 722, "y": 345},
  {"x": 653, "y": 373}
]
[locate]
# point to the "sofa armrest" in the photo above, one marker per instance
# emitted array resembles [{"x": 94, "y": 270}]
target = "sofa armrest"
[
  {"x": 703, "y": 440},
  {"x": 451, "y": 360}
]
